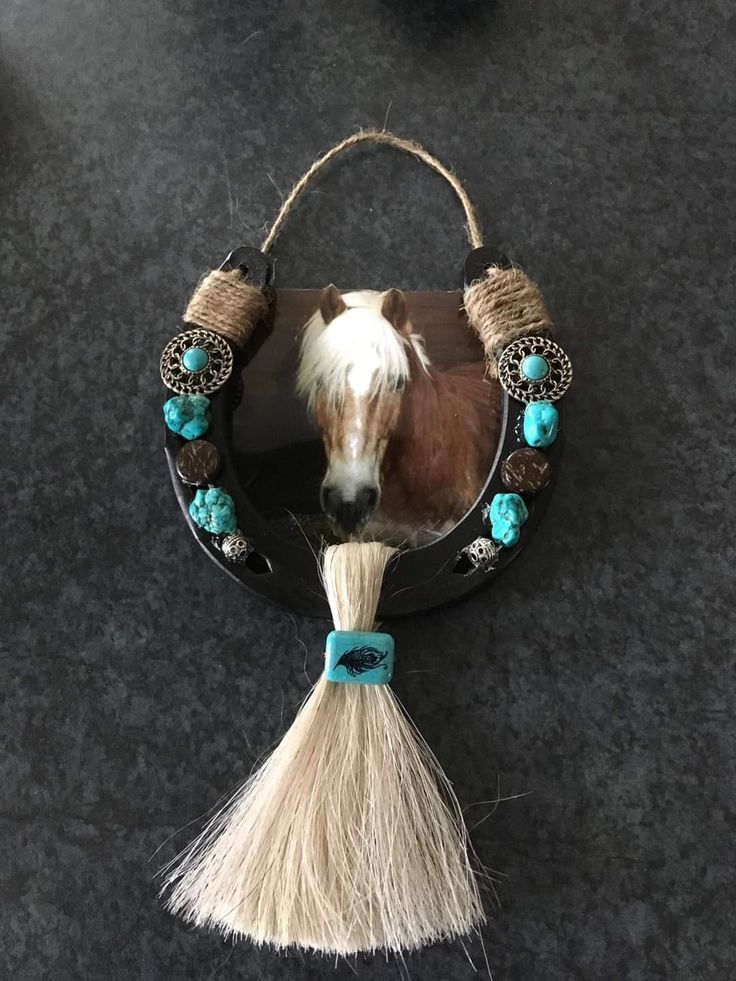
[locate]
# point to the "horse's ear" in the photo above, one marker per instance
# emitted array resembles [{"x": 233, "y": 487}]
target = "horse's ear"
[
  {"x": 395, "y": 311},
  {"x": 331, "y": 304}
]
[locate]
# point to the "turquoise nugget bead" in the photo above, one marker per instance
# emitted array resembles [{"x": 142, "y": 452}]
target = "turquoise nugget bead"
[
  {"x": 213, "y": 509},
  {"x": 187, "y": 415},
  {"x": 541, "y": 422},
  {"x": 507, "y": 514}
]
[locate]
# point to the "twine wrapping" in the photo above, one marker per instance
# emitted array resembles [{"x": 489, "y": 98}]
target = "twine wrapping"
[
  {"x": 224, "y": 303},
  {"x": 503, "y": 306}
]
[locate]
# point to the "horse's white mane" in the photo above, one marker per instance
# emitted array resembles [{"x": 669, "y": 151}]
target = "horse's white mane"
[{"x": 359, "y": 350}]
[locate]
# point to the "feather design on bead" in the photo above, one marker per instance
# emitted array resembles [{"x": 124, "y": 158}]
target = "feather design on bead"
[{"x": 358, "y": 660}]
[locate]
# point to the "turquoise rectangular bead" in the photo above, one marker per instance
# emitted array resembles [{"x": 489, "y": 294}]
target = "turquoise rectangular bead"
[{"x": 359, "y": 657}]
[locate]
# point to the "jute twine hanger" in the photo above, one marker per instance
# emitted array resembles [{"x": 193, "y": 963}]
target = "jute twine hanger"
[
  {"x": 501, "y": 306},
  {"x": 378, "y": 136}
]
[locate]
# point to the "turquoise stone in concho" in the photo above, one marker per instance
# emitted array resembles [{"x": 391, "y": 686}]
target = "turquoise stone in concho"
[
  {"x": 534, "y": 367},
  {"x": 506, "y": 514},
  {"x": 541, "y": 422},
  {"x": 214, "y": 510},
  {"x": 187, "y": 415},
  {"x": 195, "y": 359},
  {"x": 359, "y": 657}
]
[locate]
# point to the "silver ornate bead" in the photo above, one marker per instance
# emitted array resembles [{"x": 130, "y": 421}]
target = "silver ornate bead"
[
  {"x": 236, "y": 547},
  {"x": 196, "y": 362},
  {"x": 482, "y": 553},
  {"x": 534, "y": 369}
]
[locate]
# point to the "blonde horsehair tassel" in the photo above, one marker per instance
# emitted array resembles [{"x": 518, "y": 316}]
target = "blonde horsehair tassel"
[{"x": 349, "y": 837}]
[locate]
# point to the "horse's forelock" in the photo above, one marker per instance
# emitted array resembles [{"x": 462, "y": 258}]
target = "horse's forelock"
[{"x": 359, "y": 344}]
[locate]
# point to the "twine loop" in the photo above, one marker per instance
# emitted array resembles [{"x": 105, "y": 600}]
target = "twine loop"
[
  {"x": 378, "y": 137},
  {"x": 501, "y": 306}
]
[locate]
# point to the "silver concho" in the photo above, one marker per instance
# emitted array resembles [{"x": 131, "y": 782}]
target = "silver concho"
[
  {"x": 208, "y": 379},
  {"x": 548, "y": 389},
  {"x": 236, "y": 547},
  {"x": 482, "y": 553}
]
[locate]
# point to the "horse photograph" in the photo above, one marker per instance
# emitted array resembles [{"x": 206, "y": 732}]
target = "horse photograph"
[
  {"x": 349, "y": 430},
  {"x": 407, "y": 445}
]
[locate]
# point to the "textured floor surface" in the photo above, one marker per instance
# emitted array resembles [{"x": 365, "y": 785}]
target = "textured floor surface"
[{"x": 140, "y": 140}]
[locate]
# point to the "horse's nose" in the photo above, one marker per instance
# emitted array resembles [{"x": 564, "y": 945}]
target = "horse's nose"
[{"x": 349, "y": 513}]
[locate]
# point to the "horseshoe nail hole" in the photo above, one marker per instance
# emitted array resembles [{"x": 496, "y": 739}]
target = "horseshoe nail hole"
[
  {"x": 258, "y": 564},
  {"x": 463, "y": 566}
]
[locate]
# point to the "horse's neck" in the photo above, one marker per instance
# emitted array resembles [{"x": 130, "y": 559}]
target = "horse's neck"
[
  {"x": 455, "y": 409},
  {"x": 441, "y": 450}
]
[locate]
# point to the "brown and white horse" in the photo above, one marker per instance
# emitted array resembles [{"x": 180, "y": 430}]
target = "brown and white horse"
[{"x": 408, "y": 446}]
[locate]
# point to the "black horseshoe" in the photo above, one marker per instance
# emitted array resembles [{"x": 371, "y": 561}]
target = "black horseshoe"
[{"x": 418, "y": 578}]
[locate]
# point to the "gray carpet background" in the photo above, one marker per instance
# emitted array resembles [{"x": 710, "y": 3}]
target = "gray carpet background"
[{"x": 141, "y": 139}]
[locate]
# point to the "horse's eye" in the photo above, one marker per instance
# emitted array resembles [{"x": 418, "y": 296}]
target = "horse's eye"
[{"x": 399, "y": 385}]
